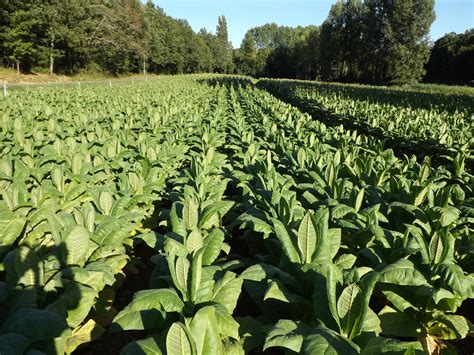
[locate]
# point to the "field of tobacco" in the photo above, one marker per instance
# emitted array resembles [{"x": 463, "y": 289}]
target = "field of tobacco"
[{"x": 204, "y": 215}]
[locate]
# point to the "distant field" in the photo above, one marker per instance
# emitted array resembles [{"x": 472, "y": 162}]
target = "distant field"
[
  {"x": 423, "y": 121},
  {"x": 210, "y": 214}
]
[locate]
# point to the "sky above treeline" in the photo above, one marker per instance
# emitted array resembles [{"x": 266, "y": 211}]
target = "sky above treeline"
[{"x": 451, "y": 15}]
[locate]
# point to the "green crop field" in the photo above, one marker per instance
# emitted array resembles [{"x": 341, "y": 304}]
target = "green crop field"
[{"x": 219, "y": 215}]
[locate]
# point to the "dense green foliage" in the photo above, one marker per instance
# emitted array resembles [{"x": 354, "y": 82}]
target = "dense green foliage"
[
  {"x": 113, "y": 36},
  {"x": 406, "y": 121},
  {"x": 371, "y": 41},
  {"x": 375, "y": 41},
  {"x": 264, "y": 227},
  {"x": 452, "y": 59},
  {"x": 279, "y": 51}
]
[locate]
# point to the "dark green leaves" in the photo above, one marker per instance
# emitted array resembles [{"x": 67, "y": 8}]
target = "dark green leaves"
[{"x": 148, "y": 310}]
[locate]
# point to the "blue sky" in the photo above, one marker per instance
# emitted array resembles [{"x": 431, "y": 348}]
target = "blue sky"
[{"x": 452, "y": 15}]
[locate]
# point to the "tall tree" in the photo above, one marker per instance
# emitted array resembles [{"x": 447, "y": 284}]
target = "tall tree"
[
  {"x": 138, "y": 32},
  {"x": 331, "y": 43},
  {"x": 224, "y": 54},
  {"x": 215, "y": 49},
  {"x": 280, "y": 51},
  {"x": 452, "y": 59},
  {"x": 20, "y": 40},
  {"x": 247, "y": 56},
  {"x": 55, "y": 19},
  {"x": 341, "y": 44},
  {"x": 396, "y": 34}
]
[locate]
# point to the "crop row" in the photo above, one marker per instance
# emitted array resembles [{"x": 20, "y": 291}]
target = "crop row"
[
  {"x": 268, "y": 229},
  {"x": 417, "y": 125},
  {"x": 320, "y": 251},
  {"x": 80, "y": 172}
]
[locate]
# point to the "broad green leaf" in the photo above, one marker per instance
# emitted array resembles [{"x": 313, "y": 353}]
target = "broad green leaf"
[
  {"x": 421, "y": 196},
  {"x": 212, "y": 246},
  {"x": 28, "y": 267},
  {"x": 182, "y": 272},
  {"x": 79, "y": 300},
  {"x": 147, "y": 346},
  {"x": 194, "y": 241},
  {"x": 441, "y": 247},
  {"x": 450, "y": 327},
  {"x": 134, "y": 181},
  {"x": 422, "y": 247},
  {"x": 150, "y": 238},
  {"x": 256, "y": 224},
  {"x": 106, "y": 201},
  {"x": 436, "y": 248},
  {"x": 361, "y": 312},
  {"x": 275, "y": 291},
  {"x": 148, "y": 310},
  {"x": 76, "y": 163},
  {"x": 306, "y": 238},
  {"x": 348, "y": 307},
  {"x": 177, "y": 340},
  {"x": 190, "y": 214},
  {"x": 75, "y": 246},
  {"x": 90, "y": 220},
  {"x": 204, "y": 292},
  {"x": 326, "y": 341},
  {"x": 177, "y": 225},
  {"x": 359, "y": 199},
  {"x": 324, "y": 249},
  {"x": 331, "y": 276},
  {"x": 402, "y": 272},
  {"x": 84, "y": 334},
  {"x": 196, "y": 271},
  {"x": 212, "y": 214},
  {"x": 371, "y": 323},
  {"x": 345, "y": 261},
  {"x": 227, "y": 290},
  {"x": 448, "y": 215},
  {"x": 334, "y": 237},
  {"x": 175, "y": 248},
  {"x": 109, "y": 233},
  {"x": 205, "y": 332},
  {"x": 399, "y": 297},
  {"x": 398, "y": 324},
  {"x": 35, "y": 324},
  {"x": 227, "y": 325},
  {"x": 341, "y": 210},
  {"x": 453, "y": 276},
  {"x": 11, "y": 228},
  {"x": 257, "y": 272},
  {"x": 253, "y": 333},
  {"x": 285, "y": 239},
  {"x": 57, "y": 178},
  {"x": 287, "y": 334}
]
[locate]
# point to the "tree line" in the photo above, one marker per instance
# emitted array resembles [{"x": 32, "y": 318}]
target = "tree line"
[
  {"x": 452, "y": 59},
  {"x": 374, "y": 41},
  {"x": 115, "y": 36},
  {"x": 370, "y": 41}
]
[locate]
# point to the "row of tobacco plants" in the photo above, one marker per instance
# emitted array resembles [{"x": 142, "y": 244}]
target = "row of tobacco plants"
[{"x": 268, "y": 229}]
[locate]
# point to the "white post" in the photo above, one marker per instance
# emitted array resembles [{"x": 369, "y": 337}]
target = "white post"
[
  {"x": 5, "y": 89},
  {"x": 133, "y": 81},
  {"x": 79, "y": 84},
  {"x": 110, "y": 83}
]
